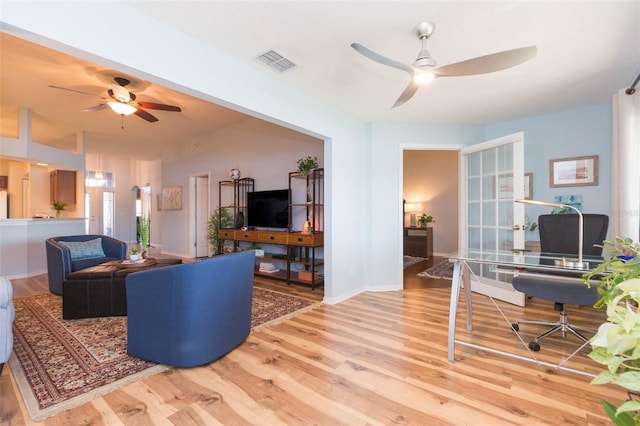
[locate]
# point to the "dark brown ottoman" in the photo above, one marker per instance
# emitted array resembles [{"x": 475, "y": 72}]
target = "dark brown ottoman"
[{"x": 100, "y": 291}]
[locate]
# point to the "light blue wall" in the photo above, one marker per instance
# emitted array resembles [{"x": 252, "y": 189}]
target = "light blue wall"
[
  {"x": 384, "y": 190},
  {"x": 579, "y": 132}
]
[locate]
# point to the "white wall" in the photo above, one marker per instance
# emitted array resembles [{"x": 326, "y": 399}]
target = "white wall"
[
  {"x": 194, "y": 68},
  {"x": 261, "y": 150}
]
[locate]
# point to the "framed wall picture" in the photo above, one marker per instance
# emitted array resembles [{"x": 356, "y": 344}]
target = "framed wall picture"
[
  {"x": 573, "y": 171},
  {"x": 505, "y": 187},
  {"x": 172, "y": 198},
  {"x": 528, "y": 186}
]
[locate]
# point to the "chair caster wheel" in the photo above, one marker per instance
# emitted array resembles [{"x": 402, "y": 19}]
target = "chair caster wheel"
[
  {"x": 534, "y": 346},
  {"x": 515, "y": 326}
]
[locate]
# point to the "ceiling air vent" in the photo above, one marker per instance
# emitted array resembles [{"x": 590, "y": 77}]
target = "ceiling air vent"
[{"x": 276, "y": 61}]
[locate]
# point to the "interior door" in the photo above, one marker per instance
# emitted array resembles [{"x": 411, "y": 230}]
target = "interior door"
[
  {"x": 93, "y": 207},
  {"x": 492, "y": 176}
]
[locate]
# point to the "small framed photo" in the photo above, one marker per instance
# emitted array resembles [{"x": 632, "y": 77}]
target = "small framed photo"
[
  {"x": 528, "y": 186},
  {"x": 573, "y": 171}
]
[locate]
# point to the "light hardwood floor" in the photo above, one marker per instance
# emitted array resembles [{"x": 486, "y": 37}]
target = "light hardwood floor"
[{"x": 377, "y": 358}]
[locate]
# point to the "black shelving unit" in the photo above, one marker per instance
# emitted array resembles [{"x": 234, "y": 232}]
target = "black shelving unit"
[
  {"x": 232, "y": 197},
  {"x": 306, "y": 203}
]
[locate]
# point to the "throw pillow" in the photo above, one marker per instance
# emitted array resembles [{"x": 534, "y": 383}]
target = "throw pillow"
[{"x": 84, "y": 249}]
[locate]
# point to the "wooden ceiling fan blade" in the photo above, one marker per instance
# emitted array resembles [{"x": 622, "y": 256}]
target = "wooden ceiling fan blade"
[
  {"x": 381, "y": 59},
  {"x": 408, "y": 93},
  {"x": 145, "y": 115},
  {"x": 76, "y": 91},
  {"x": 99, "y": 107},
  {"x": 488, "y": 63},
  {"x": 163, "y": 107}
]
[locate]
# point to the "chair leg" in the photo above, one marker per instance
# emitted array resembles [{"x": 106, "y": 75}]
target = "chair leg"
[{"x": 561, "y": 325}]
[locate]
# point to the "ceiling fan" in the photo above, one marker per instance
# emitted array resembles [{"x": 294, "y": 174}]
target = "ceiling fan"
[
  {"x": 424, "y": 68},
  {"x": 123, "y": 102}
]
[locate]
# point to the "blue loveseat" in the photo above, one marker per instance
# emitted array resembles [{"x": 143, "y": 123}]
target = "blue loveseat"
[
  {"x": 190, "y": 314},
  {"x": 82, "y": 253}
]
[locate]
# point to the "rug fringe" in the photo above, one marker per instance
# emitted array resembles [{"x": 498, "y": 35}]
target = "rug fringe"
[{"x": 37, "y": 414}]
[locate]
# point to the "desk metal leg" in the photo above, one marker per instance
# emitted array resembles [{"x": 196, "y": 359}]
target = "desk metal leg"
[{"x": 456, "y": 283}]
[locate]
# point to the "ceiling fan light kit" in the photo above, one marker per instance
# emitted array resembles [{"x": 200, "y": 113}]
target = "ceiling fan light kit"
[
  {"x": 122, "y": 108},
  {"x": 424, "y": 68},
  {"x": 123, "y": 102}
]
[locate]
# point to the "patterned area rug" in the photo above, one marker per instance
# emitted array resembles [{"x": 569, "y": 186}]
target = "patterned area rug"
[
  {"x": 59, "y": 365},
  {"x": 411, "y": 260},
  {"x": 442, "y": 270}
]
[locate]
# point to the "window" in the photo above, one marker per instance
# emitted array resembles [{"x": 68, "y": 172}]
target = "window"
[{"x": 99, "y": 179}]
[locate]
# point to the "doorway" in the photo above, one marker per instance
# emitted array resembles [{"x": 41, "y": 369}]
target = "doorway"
[
  {"x": 430, "y": 186},
  {"x": 199, "y": 217}
]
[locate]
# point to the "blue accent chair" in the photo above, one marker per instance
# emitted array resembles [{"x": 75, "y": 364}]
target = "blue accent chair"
[
  {"x": 190, "y": 314},
  {"x": 60, "y": 262}
]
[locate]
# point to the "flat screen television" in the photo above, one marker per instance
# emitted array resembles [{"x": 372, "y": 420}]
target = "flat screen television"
[{"x": 268, "y": 209}]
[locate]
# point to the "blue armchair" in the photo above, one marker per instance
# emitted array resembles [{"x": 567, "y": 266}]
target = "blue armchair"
[
  {"x": 63, "y": 259},
  {"x": 190, "y": 314}
]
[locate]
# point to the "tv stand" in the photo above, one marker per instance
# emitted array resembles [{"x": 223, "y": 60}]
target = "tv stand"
[{"x": 300, "y": 250}]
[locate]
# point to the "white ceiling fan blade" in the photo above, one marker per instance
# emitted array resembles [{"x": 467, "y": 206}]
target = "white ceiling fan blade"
[
  {"x": 382, "y": 59},
  {"x": 408, "y": 93},
  {"x": 75, "y": 91},
  {"x": 489, "y": 63}
]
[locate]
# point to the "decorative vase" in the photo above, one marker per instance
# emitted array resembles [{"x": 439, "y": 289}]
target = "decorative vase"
[
  {"x": 234, "y": 174},
  {"x": 134, "y": 257}
]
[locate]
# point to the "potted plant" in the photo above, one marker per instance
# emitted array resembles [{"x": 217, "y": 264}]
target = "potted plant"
[
  {"x": 134, "y": 256},
  {"x": 424, "y": 220},
  {"x": 255, "y": 247},
  {"x": 617, "y": 342},
  {"x": 220, "y": 219},
  {"x": 59, "y": 206},
  {"x": 307, "y": 165}
]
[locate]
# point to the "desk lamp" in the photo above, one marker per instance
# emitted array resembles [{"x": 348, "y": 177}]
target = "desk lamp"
[{"x": 575, "y": 263}]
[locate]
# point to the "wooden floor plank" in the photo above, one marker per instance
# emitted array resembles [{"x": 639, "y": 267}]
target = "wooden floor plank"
[{"x": 377, "y": 358}]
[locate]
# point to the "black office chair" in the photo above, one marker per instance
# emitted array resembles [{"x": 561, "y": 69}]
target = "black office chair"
[{"x": 559, "y": 237}]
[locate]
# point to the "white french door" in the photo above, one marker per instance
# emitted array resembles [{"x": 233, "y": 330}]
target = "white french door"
[{"x": 492, "y": 176}]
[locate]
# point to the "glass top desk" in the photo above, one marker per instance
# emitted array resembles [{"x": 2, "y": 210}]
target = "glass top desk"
[{"x": 515, "y": 262}]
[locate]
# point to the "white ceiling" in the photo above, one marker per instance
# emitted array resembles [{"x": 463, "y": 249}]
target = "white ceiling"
[{"x": 587, "y": 50}]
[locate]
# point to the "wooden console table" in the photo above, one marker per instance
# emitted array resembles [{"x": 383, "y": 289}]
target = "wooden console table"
[
  {"x": 300, "y": 250},
  {"x": 418, "y": 242}
]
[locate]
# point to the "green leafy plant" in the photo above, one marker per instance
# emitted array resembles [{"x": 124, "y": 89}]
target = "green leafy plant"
[
  {"x": 424, "y": 219},
  {"x": 145, "y": 227},
  {"x": 220, "y": 219},
  {"x": 134, "y": 250},
  {"x": 307, "y": 165},
  {"x": 59, "y": 206},
  {"x": 620, "y": 247},
  {"x": 617, "y": 342}
]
